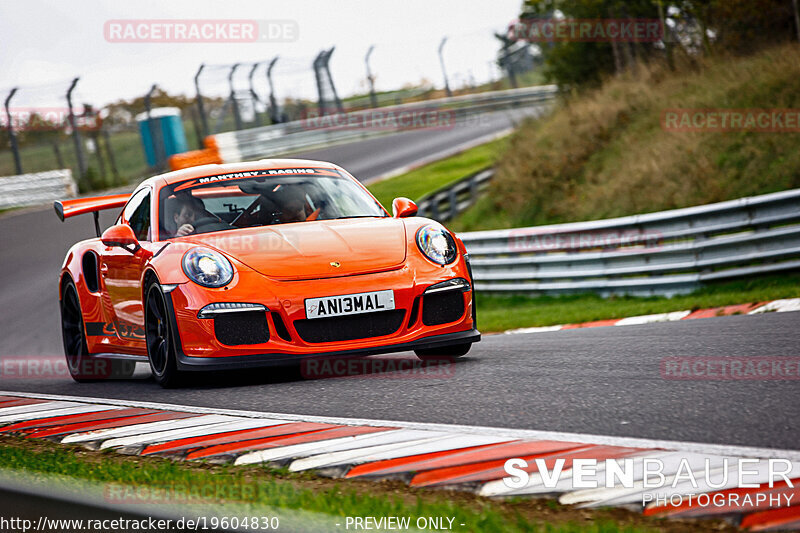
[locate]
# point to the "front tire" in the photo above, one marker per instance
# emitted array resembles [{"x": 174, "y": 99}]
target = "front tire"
[
  {"x": 158, "y": 337},
  {"x": 454, "y": 350}
]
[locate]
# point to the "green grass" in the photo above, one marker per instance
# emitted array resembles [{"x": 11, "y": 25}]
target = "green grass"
[
  {"x": 499, "y": 313},
  {"x": 604, "y": 153},
  {"x": 126, "y": 146},
  {"x": 128, "y": 156},
  {"x": 426, "y": 179},
  {"x": 281, "y": 490}
]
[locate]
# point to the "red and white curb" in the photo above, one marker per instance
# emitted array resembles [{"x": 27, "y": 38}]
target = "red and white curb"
[
  {"x": 423, "y": 455},
  {"x": 776, "y": 306}
]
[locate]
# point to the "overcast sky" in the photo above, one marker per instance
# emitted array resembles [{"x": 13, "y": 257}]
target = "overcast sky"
[{"x": 47, "y": 43}]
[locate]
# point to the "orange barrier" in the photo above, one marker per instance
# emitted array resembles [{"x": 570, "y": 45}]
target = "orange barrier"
[{"x": 206, "y": 156}]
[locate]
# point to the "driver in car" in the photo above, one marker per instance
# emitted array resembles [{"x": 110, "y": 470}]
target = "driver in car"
[
  {"x": 187, "y": 210},
  {"x": 293, "y": 205}
]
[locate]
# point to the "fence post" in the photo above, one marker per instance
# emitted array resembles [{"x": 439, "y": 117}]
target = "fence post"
[
  {"x": 318, "y": 77},
  {"x": 198, "y": 129},
  {"x": 155, "y": 132},
  {"x": 444, "y": 71},
  {"x": 453, "y": 198},
  {"x": 322, "y": 73},
  {"x": 253, "y": 95},
  {"x": 57, "y": 152},
  {"x": 99, "y": 149},
  {"x": 330, "y": 80},
  {"x": 237, "y": 118},
  {"x": 76, "y": 138},
  {"x": 200, "y": 108},
  {"x": 473, "y": 188},
  {"x": 434, "y": 203},
  {"x": 373, "y": 100},
  {"x": 110, "y": 151},
  {"x": 274, "y": 115},
  {"x": 12, "y": 136}
]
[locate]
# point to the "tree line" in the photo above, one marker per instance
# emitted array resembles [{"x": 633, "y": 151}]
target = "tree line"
[{"x": 691, "y": 29}]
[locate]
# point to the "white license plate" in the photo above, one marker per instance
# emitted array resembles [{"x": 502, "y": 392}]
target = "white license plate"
[{"x": 349, "y": 304}]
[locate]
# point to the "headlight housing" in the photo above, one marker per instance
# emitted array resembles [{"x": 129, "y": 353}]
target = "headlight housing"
[
  {"x": 437, "y": 244},
  {"x": 207, "y": 267}
]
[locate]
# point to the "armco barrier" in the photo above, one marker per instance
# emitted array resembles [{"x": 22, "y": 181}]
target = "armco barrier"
[
  {"x": 277, "y": 139},
  {"x": 663, "y": 253},
  {"x": 446, "y": 203},
  {"x": 36, "y": 188}
]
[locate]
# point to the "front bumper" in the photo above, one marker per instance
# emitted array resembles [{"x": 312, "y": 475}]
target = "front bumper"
[
  {"x": 198, "y": 347},
  {"x": 276, "y": 359}
]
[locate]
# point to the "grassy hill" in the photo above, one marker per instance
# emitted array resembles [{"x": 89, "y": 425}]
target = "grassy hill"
[{"x": 605, "y": 154}]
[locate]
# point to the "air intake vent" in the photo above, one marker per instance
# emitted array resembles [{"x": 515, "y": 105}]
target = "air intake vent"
[
  {"x": 280, "y": 327},
  {"x": 348, "y": 328},
  {"x": 249, "y": 327},
  {"x": 414, "y": 315},
  {"x": 89, "y": 267},
  {"x": 442, "y": 307}
]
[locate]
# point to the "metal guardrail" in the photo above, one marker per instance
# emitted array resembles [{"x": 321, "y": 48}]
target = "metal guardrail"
[
  {"x": 664, "y": 253},
  {"x": 266, "y": 141},
  {"x": 446, "y": 203},
  {"x": 36, "y": 188}
]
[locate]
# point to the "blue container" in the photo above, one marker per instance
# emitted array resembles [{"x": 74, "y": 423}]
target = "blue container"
[{"x": 162, "y": 135}]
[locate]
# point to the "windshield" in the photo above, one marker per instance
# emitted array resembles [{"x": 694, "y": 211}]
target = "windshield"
[{"x": 261, "y": 198}]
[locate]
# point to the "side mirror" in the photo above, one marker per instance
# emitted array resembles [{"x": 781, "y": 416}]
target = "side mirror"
[
  {"x": 122, "y": 236},
  {"x": 403, "y": 207}
]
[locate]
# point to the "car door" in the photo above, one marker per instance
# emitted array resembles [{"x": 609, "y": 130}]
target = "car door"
[{"x": 121, "y": 272}]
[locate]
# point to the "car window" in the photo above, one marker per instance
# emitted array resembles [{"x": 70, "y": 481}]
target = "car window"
[
  {"x": 137, "y": 214},
  {"x": 263, "y": 198}
]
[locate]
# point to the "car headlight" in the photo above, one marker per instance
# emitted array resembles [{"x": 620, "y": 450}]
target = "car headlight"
[
  {"x": 207, "y": 267},
  {"x": 437, "y": 244}
]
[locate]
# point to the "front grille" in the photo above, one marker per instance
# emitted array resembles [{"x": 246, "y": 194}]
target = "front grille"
[
  {"x": 442, "y": 307},
  {"x": 351, "y": 327},
  {"x": 248, "y": 327}
]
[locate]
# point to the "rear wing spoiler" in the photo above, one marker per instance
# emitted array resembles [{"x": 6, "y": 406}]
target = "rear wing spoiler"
[{"x": 79, "y": 206}]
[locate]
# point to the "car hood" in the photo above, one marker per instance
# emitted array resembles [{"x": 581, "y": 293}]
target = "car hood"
[{"x": 318, "y": 249}]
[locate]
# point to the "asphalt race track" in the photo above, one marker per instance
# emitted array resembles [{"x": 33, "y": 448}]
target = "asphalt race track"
[
  {"x": 35, "y": 242},
  {"x": 376, "y": 156},
  {"x": 598, "y": 381}
]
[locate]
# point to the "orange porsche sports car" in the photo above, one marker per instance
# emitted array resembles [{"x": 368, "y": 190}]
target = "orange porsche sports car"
[{"x": 251, "y": 264}]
